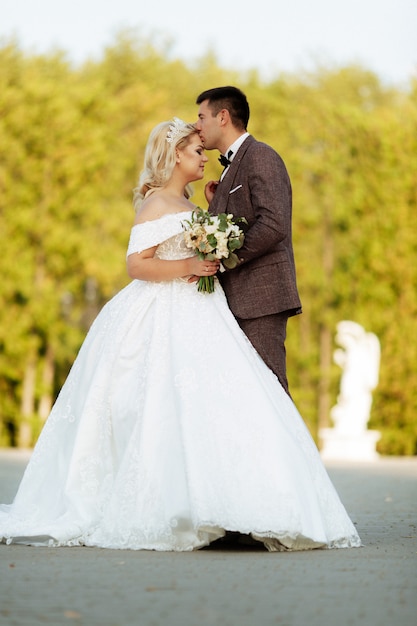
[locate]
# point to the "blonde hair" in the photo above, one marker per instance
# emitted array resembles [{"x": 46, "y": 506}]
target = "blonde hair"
[{"x": 160, "y": 158}]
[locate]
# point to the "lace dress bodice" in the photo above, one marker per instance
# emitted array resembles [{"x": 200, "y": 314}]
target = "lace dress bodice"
[{"x": 173, "y": 248}]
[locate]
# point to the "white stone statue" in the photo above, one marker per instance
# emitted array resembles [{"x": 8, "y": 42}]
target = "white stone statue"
[{"x": 359, "y": 358}]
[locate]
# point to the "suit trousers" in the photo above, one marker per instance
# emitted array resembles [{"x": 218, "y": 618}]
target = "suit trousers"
[{"x": 267, "y": 334}]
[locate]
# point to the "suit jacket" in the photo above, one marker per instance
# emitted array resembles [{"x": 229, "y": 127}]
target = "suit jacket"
[{"x": 257, "y": 187}]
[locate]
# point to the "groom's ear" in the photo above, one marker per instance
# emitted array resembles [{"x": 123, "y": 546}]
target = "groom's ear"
[{"x": 224, "y": 117}]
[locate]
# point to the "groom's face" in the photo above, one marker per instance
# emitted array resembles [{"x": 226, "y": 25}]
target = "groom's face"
[{"x": 208, "y": 126}]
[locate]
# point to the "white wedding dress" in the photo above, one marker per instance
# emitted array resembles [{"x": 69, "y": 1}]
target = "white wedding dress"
[{"x": 170, "y": 430}]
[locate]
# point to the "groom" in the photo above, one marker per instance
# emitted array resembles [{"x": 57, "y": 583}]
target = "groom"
[{"x": 262, "y": 290}]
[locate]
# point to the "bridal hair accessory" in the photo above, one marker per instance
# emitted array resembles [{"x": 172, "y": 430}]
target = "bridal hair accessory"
[{"x": 175, "y": 129}]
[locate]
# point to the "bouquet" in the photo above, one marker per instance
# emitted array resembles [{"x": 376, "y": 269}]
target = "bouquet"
[{"x": 213, "y": 237}]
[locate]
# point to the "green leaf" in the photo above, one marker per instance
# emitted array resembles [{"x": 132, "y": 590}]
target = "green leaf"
[{"x": 231, "y": 262}]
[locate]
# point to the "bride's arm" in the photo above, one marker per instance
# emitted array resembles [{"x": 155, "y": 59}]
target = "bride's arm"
[{"x": 145, "y": 266}]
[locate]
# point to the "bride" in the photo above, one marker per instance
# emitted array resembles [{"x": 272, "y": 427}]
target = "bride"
[{"x": 170, "y": 430}]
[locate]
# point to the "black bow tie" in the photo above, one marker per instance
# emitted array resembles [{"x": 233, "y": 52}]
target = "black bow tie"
[{"x": 224, "y": 160}]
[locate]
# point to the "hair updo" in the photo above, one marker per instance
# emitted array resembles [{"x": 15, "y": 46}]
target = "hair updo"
[{"x": 160, "y": 158}]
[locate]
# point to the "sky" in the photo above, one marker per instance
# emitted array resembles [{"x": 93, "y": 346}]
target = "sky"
[{"x": 271, "y": 36}]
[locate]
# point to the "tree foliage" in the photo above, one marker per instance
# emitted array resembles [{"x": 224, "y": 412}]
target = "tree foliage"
[{"x": 72, "y": 145}]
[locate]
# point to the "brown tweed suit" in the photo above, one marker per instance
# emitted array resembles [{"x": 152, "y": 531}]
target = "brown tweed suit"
[{"x": 257, "y": 187}]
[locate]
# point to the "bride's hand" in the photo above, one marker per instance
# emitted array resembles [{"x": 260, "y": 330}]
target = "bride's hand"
[
  {"x": 202, "y": 268},
  {"x": 210, "y": 190}
]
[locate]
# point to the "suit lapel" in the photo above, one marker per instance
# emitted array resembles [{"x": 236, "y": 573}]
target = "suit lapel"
[{"x": 231, "y": 179}]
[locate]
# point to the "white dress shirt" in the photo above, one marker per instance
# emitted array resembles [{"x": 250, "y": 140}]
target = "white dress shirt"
[{"x": 234, "y": 148}]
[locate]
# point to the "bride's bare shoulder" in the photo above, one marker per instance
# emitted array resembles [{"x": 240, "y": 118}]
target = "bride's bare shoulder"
[{"x": 153, "y": 208}]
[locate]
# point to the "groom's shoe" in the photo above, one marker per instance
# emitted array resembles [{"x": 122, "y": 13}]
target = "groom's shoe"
[{"x": 234, "y": 541}]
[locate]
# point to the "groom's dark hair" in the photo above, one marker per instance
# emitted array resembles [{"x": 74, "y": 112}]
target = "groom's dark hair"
[{"x": 230, "y": 98}]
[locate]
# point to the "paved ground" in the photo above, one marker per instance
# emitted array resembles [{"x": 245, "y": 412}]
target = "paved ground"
[{"x": 373, "y": 586}]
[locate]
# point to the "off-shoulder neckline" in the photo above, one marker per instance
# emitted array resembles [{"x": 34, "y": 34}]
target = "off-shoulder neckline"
[{"x": 163, "y": 217}]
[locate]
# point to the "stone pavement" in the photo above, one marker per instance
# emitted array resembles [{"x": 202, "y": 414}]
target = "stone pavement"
[{"x": 372, "y": 586}]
